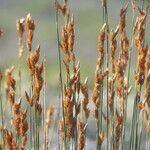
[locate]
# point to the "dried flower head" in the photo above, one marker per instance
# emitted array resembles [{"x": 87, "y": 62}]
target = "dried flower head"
[
  {"x": 101, "y": 39},
  {"x": 30, "y": 27},
  {"x": 104, "y": 3},
  {"x": 148, "y": 126},
  {"x": 122, "y": 23},
  {"x": 81, "y": 137},
  {"x": 113, "y": 46},
  {"x": 33, "y": 59},
  {"x": 62, "y": 8},
  {"x": 101, "y": 137},
  {"x": 84, "y": 90},
  {"x": 133, "y": 4},
  {"x": 49, "y": 114},
  {"x": 20, "y": 27},
  {"x": 119, "y": 125},
  {"x": 16, "y": 107},
  {"x": 68, "y": 111},
  {"x": 10, "y": 140},
  {"x": 10, "y": 85}
]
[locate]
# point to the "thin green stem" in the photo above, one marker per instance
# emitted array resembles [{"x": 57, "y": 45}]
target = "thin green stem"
[
  {"x": 128, "y": 73},
  {"x": 44, "y": 99},
  {"x": 107, "y": 65},
  {"x": 30, "y": 124},
  {"x": 60, "y": 77}
]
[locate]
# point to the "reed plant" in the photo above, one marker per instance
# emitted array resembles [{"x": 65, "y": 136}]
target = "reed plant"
[{"x": 33, "y": 124}]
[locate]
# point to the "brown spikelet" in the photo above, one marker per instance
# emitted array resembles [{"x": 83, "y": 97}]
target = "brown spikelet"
[
  {"x": 10, "y": 95},
  {"x": 29, "y": 99},
  {"x": 140, "y": 27},
  {"x": 38, "y": 82},
  {"x": 9, "y": 140},
  {"x": 120, "y": 77},
  {"x": 101, "y": 137},
  {"x": 124, "y": 48},
  {"x": 133, "y": 4},
  {"x": 148, "y": 126},
  {"x": 62, "y": 8},
  {"x": 101, "y": 39},
  {"x": 113, "y": 46},
  {"x": 118, "y": 126},
  {"x": 16, "y": 122},
  {"x": 147, "y": 65},
  {"x": 23, "y": 127},
  {"x": 146, "y": 115},
  {"x": 70, "y": 31},
  {"x": 30, "y": 27},
  {"x": 10, "y": 84},
  {"x": 111, "y": 91},
  {"x": 68, "y": 111},
  {"x": 99, "y": 77},
  {"x": 141, "y": 105},
  {"x": 20, "y": 27},
  {"x": 33, "y": 59},
  {"x": 16, "y": 107},
  {"x": 64, "y": 45},
  {"x": 122, "y": 22},
  {"x": 24, "y": 140},
  {"x": 21, "y": 50},
  {"x": 140, "y": 74},
  {"x": 38, "y": 108},
  {"x": 61, "y": 131},
  {"x": 84, "y": 90},
  {"x": 10, "y": 81},
  {"x": 104, "y": 3},
  {"x": 81, "y": 138},
  {"x": 141, "y": 49},
  {"x": 49, "y": 114}
]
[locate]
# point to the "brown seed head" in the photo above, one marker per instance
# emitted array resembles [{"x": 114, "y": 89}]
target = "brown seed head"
[
  {"x": 62, "y": 8},
  {"x": 81, "y": 138},
  {"x": 133, "y": 4},
  {"x": 84, "y": 90},
  {"x": 16, "y": 107},
  {"x": 101, "y": 137},
  {"x": 20, "y": 29},
  {"x": 30, "y": 27},
  {"x": 104, "y": 3},
  {"x": 49, "y": 114},
  {"x": 122, "y": 23}
]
